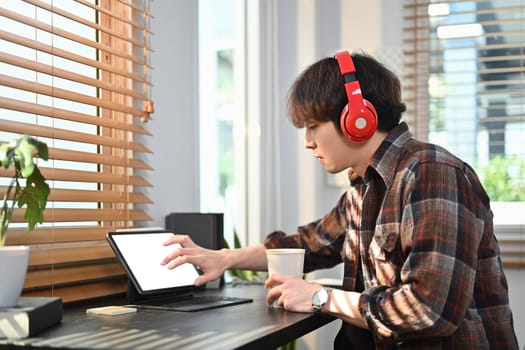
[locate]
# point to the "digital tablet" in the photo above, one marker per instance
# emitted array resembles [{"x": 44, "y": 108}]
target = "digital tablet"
[{"x": 141, "y": 253}]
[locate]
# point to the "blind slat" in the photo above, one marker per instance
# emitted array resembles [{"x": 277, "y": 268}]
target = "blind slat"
[
  {"x": 60, "y": 234},
  {"x": 65, "y": 74},
  {"x": 85, "y": 253},
  {"x": 97, "y": 158},
  {"x": 413, "y": 6},
  {"x": 74, "y": 274},
  {"x": 80, "y": 215},
  {"x": 63, "y": 195},
  {"x": 85, "y": 22},
  {"x": 87, "y": 176},
  {"x": 100, "y": 9},
  {"x": 78, "y": 292},
  {"x": 68, "y": 35},
  {"x": 38, "y": 130},
  {"x": 135, "y": 7},
  {"x": 34, "y": 108},
  {"x": 43, "y": 89},
  {"x": 43, "y": 235},
  {"x": 56, "y": 51}
]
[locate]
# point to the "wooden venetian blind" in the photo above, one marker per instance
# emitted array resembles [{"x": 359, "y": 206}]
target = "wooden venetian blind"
[
  {"x": 75, "y": 74},
  {"x": 464, "y": 86}
]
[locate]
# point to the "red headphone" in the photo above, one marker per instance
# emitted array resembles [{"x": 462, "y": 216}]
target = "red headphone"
[{"x": 359, "y": 117}]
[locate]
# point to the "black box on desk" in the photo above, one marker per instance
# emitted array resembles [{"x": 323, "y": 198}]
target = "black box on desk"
[
  {"x": 30, "y": 316},
  {"x": 205, "y": 229}
]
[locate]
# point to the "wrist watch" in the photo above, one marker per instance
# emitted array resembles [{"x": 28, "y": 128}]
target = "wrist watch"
[{"x": 320, "y": 297}]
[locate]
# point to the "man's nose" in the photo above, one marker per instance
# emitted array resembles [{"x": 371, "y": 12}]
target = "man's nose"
[{"x": 308, "y": 141}]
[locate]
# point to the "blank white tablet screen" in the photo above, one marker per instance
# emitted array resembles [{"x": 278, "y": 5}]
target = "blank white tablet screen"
[{"x": 143, "y": 254}]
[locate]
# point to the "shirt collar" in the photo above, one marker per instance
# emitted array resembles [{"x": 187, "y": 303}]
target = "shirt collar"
[{"x": 385, "y": 159}]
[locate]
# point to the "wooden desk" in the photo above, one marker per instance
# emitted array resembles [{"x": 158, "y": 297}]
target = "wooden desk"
[{"x": 245, "y": 326}]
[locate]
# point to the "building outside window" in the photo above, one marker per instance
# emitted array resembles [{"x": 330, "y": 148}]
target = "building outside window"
[{"x": 465, "y": 87}]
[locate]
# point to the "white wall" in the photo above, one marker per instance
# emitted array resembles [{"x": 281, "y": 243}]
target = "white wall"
[
  {"x": 304, "y": 31},
  {"x": 516, "y": 280},
  {"x": 175, "y": 141}
]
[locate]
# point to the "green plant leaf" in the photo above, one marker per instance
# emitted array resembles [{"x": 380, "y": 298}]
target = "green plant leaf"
[
  {"x": 5, "y": 157},
  {"x": 21, "y": 153},
  {"x": 502, "y": 178},
  {"x": 34, "y": 196},
  {"x": 236, "y": 240},
  {"x": 41, "y": 147},
  {"x": 25, "y": 162}
]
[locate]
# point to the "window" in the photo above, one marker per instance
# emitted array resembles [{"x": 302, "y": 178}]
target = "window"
[
  {"x": 465, "y": 89},
  {"x": 75, "y": 74},
  {"x": 222, "y": 117}
]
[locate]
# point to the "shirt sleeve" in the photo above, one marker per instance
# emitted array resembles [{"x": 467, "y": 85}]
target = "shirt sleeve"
[
  {"x": 322, "y": 239},
  {"x": 440, "y": 231}
]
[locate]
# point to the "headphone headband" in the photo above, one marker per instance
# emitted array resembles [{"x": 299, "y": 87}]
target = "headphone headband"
[{"x": 346, "y": 64}]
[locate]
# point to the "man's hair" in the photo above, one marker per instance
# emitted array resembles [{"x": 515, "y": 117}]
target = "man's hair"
[{"x": 318, "y": 94}]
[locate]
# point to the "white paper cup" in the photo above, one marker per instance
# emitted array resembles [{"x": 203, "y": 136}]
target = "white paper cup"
[{"x": 286, "y": 261}]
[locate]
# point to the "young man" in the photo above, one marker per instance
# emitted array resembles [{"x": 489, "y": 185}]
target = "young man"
[{"x": 422, "y": 268}]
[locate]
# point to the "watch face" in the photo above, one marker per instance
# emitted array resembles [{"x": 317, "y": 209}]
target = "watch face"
[{"x": 320, "y": 298}]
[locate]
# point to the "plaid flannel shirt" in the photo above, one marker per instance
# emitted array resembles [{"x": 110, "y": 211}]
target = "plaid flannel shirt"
[{"x": 420, "y": 225}]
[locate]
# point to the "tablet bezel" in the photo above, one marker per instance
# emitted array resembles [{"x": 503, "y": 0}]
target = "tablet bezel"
[{"x": 131, "y": 275}]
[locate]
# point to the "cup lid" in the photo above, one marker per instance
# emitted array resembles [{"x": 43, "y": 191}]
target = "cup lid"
[{"x": 285, "y": 251}]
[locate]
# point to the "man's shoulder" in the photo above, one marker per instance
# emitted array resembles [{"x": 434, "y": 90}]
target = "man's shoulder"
[{"x": 420, "y": 152}]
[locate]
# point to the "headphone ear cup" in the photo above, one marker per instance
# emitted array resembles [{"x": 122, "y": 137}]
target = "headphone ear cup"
[{"x": 359, "y": 124}]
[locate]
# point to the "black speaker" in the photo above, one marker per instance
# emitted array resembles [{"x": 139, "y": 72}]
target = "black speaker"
[{"x": 205, "y": 229}]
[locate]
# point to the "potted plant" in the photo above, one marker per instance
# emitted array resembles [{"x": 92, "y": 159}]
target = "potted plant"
[{"x": 19, "y": 154}]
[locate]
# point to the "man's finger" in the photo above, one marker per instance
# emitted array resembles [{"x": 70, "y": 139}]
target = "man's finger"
[
  {"x": 178, "y": 261},
  {"x": 184, "y": 240},
  {"x": 171, "y": 256},
  {"x": 275, "y": 279}
]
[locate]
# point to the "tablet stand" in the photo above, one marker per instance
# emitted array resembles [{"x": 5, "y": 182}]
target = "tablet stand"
[{"x": 134, "y": 297}]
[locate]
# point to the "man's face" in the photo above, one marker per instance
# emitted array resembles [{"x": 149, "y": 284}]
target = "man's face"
[{"x": 333, "y": 150}]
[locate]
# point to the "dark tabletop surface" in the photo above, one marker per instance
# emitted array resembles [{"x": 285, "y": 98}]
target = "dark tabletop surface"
[{"x": 250, "y": 326}]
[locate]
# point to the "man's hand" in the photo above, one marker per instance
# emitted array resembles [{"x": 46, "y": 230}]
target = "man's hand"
[
  {"x": 292, "y": 293},
  {"x": 212, "y": 262}
]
